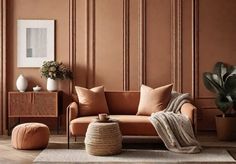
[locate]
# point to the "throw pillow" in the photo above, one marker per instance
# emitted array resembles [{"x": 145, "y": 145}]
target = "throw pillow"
[
  {"x": 153, "y": 100},
  {"x": 91, "y": 101}
]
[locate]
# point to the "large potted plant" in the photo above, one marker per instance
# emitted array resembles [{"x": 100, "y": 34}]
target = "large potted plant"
[
  {"x": 222, "y": 82},
  {"x": 53, "y": 71}
]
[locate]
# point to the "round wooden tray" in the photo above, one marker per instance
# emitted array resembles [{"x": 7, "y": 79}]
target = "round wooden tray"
[{"x": 106, "y": 121}]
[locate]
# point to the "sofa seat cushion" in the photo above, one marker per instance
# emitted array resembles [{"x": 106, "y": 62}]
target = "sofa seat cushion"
[{"x": 129, "y": 125}]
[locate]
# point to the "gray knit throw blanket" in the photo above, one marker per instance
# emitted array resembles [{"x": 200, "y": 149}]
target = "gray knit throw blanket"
[{"x": 175, "y": 129}]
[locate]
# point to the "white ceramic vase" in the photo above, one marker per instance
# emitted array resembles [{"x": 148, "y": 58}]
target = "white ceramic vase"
[
  {"x": 21, "y": 83},
  {"x": 51, "y": 85}
]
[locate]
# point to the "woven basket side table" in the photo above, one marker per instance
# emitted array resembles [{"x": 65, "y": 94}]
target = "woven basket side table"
[{"x": 103, "y": 138}]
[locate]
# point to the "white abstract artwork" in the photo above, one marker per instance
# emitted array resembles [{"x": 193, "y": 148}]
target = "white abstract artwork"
[{"x": 35, "y": 42}]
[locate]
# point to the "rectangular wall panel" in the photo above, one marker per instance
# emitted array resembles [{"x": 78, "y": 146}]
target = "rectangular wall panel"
[
  {"x": 206, "y": 119},
  {"x": 158, "y": 42},
  {"x": 134, "y": 44},
  {"x": 108, "y": 58},
  {"x": 217, "y": 36},
  {"x": 187, "y": 46},
  {"x": 81, "y": 45},
  {"x": 215, "y": 41}
]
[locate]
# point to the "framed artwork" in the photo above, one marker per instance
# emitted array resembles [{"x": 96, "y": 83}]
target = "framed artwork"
[{"x": 35, "y": 42}]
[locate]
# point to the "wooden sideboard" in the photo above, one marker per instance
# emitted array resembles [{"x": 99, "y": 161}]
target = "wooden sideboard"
[{"x": 34, "y": 104}]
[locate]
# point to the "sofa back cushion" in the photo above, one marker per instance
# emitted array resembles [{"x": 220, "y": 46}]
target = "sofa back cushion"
[
  {"x": 122, "y": 102},
  {"x": 91, "y": 101},
  {"x": 119, "y": 102},
  {"x": 153, "y": 100}
]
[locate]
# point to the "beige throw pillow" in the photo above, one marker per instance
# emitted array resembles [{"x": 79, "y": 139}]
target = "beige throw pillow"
[
  {"x": 153, "y": 100},
  {"x": 91, "y": 101}
]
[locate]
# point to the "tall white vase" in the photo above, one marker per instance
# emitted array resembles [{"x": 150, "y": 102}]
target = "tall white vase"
[
  {"x": 21, "y": 83},
  {"x": 51, "y": 85}
]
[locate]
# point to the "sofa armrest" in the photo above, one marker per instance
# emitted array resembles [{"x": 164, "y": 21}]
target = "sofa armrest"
[
  {"x": 72, "y": 111},
  {"x": 191, "y": 112}
]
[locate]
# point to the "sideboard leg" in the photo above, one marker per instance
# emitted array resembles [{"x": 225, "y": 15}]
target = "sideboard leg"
[
  {"x": 58, "y": 124},
  {"x": 9, "y": 126}
]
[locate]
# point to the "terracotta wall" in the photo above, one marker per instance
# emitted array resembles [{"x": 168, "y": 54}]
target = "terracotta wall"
[
  {"x": 123, "y": 43},
  {"x": 215, "y": 41},
  {"x": 40, "y": 9},
  {"x": 120, "y": 44}
]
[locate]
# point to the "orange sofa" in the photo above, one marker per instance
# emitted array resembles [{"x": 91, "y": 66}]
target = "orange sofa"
[{"x": 123, "y": 107}]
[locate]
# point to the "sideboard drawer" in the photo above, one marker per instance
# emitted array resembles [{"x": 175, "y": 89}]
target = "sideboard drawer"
[
  {"x": 33, "y": 104},
  {"x": 46, "y": 104}
]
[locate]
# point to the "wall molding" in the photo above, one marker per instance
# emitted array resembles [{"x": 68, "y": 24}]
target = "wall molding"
[
  {"x": 3, "y": 90},
  {"x": 126, "y": 57},
  {"x": 90, "y": 80},
  {"x": 195, "y": 57},
  {"x": 176, "y": 44},
  {"x": 72, "y": 42},
  {"x": 1, "y": 67},
  {"x": 142, "y": 42},
  {"x": 193, "y": 50}
]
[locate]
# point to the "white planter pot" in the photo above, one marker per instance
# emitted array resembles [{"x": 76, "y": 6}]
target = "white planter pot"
[
  {"x": 21, "y": 83},
  {"x": 51, "y": 85}
]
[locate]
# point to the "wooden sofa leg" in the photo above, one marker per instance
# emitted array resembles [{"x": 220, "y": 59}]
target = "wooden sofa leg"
[{"x": 75, "y": 139}]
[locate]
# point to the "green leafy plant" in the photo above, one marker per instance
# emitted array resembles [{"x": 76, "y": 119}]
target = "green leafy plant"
[
  {"x": 55, "y": 70},
  {"x": 222, "y": 82}
]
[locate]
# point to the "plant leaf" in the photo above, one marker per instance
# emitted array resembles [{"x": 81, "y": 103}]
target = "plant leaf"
[
  {"x": 220, "y": 69},
  {"x": 230, "y": 71},
  {"x": 230, "y": 84},
  {"x": 217, "y": 79},
  {"x": 211, "y": 84},
  {"x": 233, "y": 96},
  {"x": 223, "y": 103}
]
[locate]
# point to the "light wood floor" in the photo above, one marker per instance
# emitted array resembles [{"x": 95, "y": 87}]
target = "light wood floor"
[{"x": 11, "y": 155}]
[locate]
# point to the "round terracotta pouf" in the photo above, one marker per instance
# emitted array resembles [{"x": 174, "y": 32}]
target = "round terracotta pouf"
[
  {"x": 30, "y": 136},
  {"x": 103, "y": 138}
]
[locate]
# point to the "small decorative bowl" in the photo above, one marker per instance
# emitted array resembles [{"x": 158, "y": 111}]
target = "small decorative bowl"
[{"x": 36, "y": 89}]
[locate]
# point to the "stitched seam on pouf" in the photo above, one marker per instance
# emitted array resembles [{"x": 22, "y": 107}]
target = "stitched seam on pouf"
[{"x": 23, "y": 136}]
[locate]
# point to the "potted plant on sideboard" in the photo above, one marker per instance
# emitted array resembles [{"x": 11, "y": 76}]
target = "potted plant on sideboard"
[
  {"x": 53, "y": 71},
  {"x": 222, "y": 82}
]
